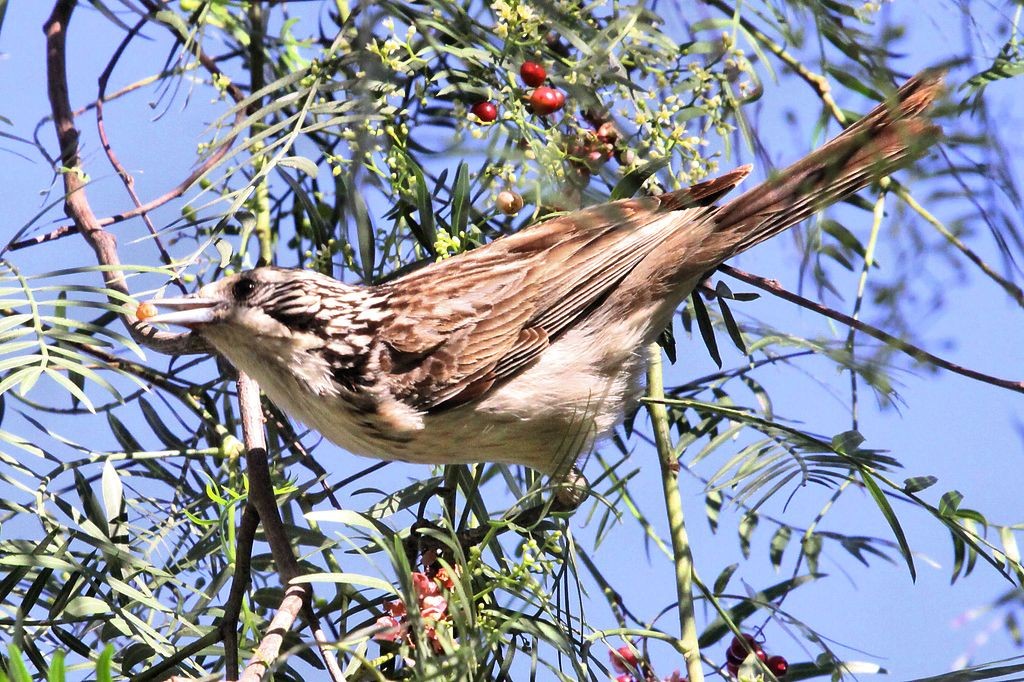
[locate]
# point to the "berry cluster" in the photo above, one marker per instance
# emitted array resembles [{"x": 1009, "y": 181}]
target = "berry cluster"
[
  {"x": 742, "y": 647},
  {"x": 543, "y": 100}
]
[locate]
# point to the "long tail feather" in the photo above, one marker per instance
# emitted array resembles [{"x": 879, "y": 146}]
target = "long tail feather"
[{"x": 890, "y": 136}]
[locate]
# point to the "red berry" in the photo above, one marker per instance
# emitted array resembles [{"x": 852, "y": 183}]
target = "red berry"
[
  {"x": 532, "y": 73},
  {"x": 732, "y": 668},
  {"x": 485, "y": 111},
  {"x": 545, "y": 100},
  {"x": 739, "y": 650},
  {"x": 778, "y": 665},
  {"x": 624, "y": 659}
]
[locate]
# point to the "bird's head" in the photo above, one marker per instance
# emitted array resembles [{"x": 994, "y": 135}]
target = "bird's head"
[{"x": 264, "y": 303}]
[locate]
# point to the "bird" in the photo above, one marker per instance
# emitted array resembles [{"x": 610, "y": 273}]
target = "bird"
[{"x": 529, "y": 349}]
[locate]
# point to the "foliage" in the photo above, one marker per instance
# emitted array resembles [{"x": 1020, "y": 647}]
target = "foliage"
[{"x": 343, "y": 142}]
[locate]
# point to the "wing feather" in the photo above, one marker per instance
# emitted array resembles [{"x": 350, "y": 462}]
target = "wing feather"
[{"x": 483, "y": 317}]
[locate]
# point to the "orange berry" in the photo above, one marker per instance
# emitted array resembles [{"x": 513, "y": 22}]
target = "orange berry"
[{"x": 145, "y": 311}]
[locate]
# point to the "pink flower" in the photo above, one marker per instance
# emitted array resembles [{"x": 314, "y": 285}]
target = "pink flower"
[
  {"x": 423, "y": 585},
  {"x": 625, "y": 677},
  {"x": 445, "y": 578},
  {"x": 434, "y": 607},
  {"x": 396, "y": 608},
  {"x": 391, "y": 630}
]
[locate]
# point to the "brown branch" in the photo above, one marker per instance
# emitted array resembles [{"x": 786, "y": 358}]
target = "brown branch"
[
  {"x": 240, "y": 582},
  {"x": 261, "y": 496},
  {"x": 57, "y": 26},
  {"x": 298, "y": 597},
  {"x": 76, "y": 204},
  {"x": 122, "y": 172},
  {"x": 773, "y": 287}
]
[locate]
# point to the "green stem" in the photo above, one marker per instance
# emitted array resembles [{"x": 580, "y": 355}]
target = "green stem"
[
  {"x": 1009, "y": 287},
  {"x": 688, "y": 645}
]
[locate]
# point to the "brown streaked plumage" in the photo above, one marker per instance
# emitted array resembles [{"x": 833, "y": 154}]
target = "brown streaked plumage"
[{"x": 530, "y": 348}]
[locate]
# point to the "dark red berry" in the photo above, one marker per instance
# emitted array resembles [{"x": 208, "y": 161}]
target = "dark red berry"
[
  {"x": 732, "y": 668},
  {"x": 532, "y": 73},
  {"x": 778, "y": 665},
  {"x": 485, "y": 111},
  {"x": 545, "y": 100},
  {"x": 739, "y": 650}
]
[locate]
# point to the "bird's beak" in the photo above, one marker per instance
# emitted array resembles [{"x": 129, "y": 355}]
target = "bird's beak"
[{"x": 187, "y": 311}]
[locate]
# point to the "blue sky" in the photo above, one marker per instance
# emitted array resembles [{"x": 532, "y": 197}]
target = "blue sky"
[{"x": 967, "y": 434}]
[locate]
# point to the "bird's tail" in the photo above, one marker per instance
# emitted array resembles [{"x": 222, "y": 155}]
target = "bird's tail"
[{"x": 890, "y": 136}]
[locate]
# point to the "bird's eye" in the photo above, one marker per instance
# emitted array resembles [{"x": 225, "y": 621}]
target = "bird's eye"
[{"x": 243, "y": 289}]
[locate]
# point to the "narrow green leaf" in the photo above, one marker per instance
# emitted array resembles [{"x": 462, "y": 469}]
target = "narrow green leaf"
[
  {"x": 811, "y": 545},
  {"x": 950, "y": 502},
  {"x": 113, "y": 491},
  {"x": 730, "y": 326},
  {"x": 890, "y": 516},
  {"x": 712, "y": 508},
  {"x": 707, "y": 330},
  {"x": 847, "y": 442},
  {"x": 424, "y": 231},
  {"x": 667, "y": 341},
  {"x": 634, "y": 180},
  {"x": 86, "y": 606},
  {"x": 348, "y": 579},
  {"x": 780, "y": 540},
  {"x": 300, "y": 163},
  {"x": 174, "y": 21},
  {"x": 73, "y": 387},
  {"x": 748, "y": 524},
  {"x": 224, "y": 250},
  {"x": 722, "y": 581},
  {"x": 123, "y": 435},
  {"x": 156, "y": 423},
  {"x": 460, "y": 199},
  {"x": 16, "y": 665},
  {"x": 916, "y": 484},
  {"x": 57, "y": 672},
  {"x": 104, "y": 665},
  {"x": 719, "y": 628}
]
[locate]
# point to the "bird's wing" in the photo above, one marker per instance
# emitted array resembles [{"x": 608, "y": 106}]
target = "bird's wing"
[{"x": 470, "y": 322}]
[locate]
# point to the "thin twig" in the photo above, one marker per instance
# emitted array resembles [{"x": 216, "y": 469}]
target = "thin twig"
[
  {"x": 1014, "y": 291},
  {"x": 772, "y": 286},
  {"x": 101, "y": 129},
  {"x": 63, "y": 118},
  {"x": 818, "y": 83},
  {"x": 240, "y": 582},
  {"x": 76, "y": 203}
]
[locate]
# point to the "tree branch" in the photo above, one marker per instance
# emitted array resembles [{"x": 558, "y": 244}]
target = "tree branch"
[
  {"x": 76, "y": 203},
  {"x": 298, "y": 597},
  {"x": 773, "y": 287}
]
